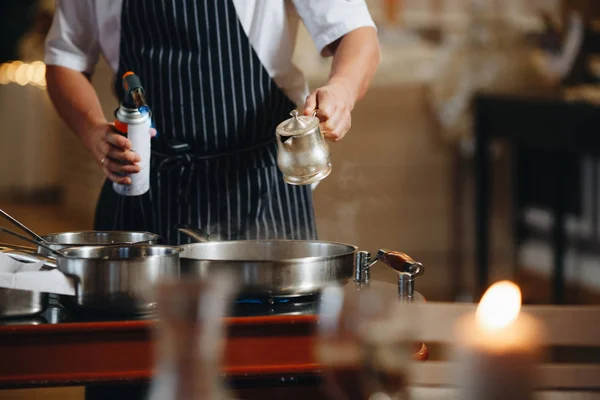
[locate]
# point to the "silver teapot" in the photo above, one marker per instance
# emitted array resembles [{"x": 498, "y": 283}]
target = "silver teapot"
[{"x": 303, "y": 155}]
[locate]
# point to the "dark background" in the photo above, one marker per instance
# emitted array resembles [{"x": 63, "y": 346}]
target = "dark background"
[{"x": 16, "y": 17}]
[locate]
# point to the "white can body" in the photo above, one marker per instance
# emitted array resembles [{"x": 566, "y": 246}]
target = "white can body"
[{"x": 139, "y": 135}]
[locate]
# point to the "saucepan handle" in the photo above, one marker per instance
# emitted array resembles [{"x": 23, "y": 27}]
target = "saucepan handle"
[
  {"x": 406, "y": 268},
  {"x": 193, "y": 233},
  {"x": 5, "y": 247},
  {"x": 400, "y": 262}
]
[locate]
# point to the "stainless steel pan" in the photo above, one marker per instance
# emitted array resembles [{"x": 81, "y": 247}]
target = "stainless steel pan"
[
  {"x": 115, "y": 279},
  {"x": 21, "y": 303},
  {"x": 291, "y": 267},
  {"x": 272, "y": 267},
  {"x": 63, "y": 240},
  {"x": 118, "y": 279}
]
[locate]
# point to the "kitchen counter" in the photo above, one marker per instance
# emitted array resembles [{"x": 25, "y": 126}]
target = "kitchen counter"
[
  {"x": 90, "y": 348},
  {"x": 91, "y": 352},
  {"x": 272, "y": 349}
]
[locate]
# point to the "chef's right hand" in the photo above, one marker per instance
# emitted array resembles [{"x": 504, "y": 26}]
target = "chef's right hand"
[{"x": 113, "y": 152}]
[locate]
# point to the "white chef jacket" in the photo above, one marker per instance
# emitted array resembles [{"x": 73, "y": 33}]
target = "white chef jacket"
[{"x": 84, "y": 29}]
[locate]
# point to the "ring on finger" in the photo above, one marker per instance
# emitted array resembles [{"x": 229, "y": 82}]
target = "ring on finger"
[{"x": 102, "y": 161}]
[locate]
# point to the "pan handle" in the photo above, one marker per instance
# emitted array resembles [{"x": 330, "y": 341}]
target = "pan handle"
[
  {"x": 21, "y": 226},
  {"x": 23, "y": 256},
  {"x": 406, "y": 268},
  {"x": 193, "y": 233},
  {"x": 5, "y": 247},
  {"x": 400, "y": 262}
]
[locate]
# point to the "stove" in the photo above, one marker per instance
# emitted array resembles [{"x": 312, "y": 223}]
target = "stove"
[
  {"x": 264, "y": 306},
  {"x": 55, "y": 313},
  {"x": 248, "y": 306}
]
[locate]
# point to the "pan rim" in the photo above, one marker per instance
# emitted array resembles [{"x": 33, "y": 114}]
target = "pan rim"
[
  {"x": 176, "y": 253},
  {"x": 352, "y": 249},
  {"x": 47, "y": 236}
]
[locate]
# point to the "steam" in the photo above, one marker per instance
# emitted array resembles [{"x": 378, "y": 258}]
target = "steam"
[
  {"x": 347, "y": 214},
  {"x": 355, "y": 194}
]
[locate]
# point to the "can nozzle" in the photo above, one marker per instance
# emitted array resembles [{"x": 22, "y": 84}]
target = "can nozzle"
[{"x": 134, "y": 93}]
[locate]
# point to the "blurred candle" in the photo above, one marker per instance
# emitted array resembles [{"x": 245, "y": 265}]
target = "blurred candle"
[{"x": 498, "y": 347}]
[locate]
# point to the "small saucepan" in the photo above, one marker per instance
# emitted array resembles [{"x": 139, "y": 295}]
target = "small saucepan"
[
  {"x": 21, "y": 303},
  {"x": 113, "y": 279},
  {"x": 57, "y": 241}
]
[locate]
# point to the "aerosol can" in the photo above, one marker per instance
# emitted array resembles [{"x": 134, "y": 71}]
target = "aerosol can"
[{"x": 133, "y": 120}]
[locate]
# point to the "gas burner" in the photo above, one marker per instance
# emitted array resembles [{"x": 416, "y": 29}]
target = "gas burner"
[
  {"x": 250, "y": 306},
  {"x": 275, "y": 300},
  {"x": 265, "y": 310},
  {"x": 247, "y": 306}
]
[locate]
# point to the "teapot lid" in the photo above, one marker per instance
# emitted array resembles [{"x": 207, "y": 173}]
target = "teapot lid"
[{"x": 297, "y": 125}]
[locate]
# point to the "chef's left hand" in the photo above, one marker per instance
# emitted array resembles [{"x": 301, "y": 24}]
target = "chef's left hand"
[{"x": 333, "y": 103}]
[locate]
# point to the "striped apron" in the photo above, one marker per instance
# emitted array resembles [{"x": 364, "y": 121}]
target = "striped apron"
[{"x": 207, "y": 88}]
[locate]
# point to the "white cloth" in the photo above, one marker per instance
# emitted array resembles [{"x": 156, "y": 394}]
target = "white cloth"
[
  {"x": 30, "y": 276},
  {"x": 84, "y": 29}
]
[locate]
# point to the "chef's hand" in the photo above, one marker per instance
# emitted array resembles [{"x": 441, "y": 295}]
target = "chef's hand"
[
  {"x": 333, "y": 103},
  {"x": 109, "y": 149}
]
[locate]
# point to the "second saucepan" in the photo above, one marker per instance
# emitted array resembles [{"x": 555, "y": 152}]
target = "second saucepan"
[
  {"x": 116, "y": 279},
  {"x": 63, "y": 240}
]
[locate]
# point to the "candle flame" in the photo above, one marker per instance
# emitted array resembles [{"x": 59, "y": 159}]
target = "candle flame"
[{"x": 500, "y": 306}]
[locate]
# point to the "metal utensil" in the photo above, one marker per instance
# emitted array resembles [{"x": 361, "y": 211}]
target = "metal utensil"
[
  {"x": 85, "y": 238},
  {"x": 193, "y": 233},
  {"x": 21, "y": 303},
  {"x": 62, "y": 240},
  {"x": 54, "y": 242},
  {"x": 21, "y": 225},
  {"x": 116, "y": 279},
  {"x": 303, "y": 155},
  {"x": 16, "y": 303},
  {"x": 293, "y": 267},
  {"x": 4, "y": 247},
  {"x": 42, "y": 244}
]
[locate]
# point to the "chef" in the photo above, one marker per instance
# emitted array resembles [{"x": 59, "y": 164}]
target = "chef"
[{"x": 219, "y": 78}]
